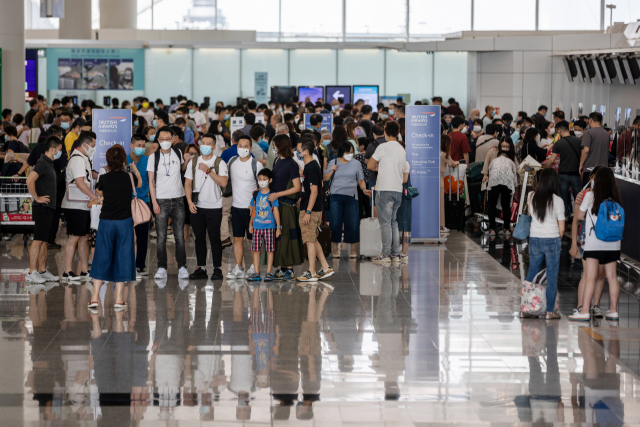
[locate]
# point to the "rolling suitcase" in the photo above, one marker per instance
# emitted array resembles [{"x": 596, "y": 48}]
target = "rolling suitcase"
[
  {"x": 454, "y": 211},
  {"x": 370, "y": 235}
]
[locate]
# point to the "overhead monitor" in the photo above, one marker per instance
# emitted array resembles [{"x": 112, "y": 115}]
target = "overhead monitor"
[
  {"x": 367, "y": 93},
  {"x": 312, "y": 92},
  {"x": 337, "y": 92},
  {"x": 281, "y": 94}
]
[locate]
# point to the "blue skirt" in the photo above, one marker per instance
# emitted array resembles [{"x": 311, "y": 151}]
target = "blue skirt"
[{"x": 114, "y": 259}]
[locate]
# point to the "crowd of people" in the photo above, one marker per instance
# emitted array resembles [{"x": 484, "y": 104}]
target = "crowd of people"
[{"x": 274, "y": 183}]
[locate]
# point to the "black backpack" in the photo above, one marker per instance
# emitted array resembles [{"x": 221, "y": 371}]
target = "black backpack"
[{"x": 156, "y": 161}]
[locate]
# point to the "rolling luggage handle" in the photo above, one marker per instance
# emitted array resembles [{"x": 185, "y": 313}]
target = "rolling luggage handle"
[{"x": 527, "y": 169}]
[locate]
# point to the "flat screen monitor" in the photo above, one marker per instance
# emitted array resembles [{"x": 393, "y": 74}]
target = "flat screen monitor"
[
  {"x": 367, "y": 93},
  {"x": 282, "y": 94},
  {"x": 313, "y": 92},
  {"x": 337, "y": 92}
]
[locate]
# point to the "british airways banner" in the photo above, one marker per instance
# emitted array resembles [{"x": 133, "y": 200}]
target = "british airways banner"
[
  {"x": 423, "y": 154},
  {"x": 111, "y": 127}
]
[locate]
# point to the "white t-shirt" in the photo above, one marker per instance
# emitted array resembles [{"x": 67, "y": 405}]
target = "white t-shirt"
[
  {"x": 243, "y": 182},
  {"x": 591, "y": 242},
  {"x": 148, "y": 116},
  {"x": 24, "y": 136},
  {"x": 210, "y": 193},
  {"x": 219, "y": 146},
  {"x": 168, "y": 178},
  {"x": 199, "y": 118},
  {"x": 392, "y": 164},
  {"x": 78, "y": 167},
  {"x": 549, "y": 228}
]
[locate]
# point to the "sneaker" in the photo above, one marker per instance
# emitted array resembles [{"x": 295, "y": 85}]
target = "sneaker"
[
  {"x": 226, "y": 243},
  {"x": 381, "y": 259},
  {"x": 239, "y": 272},
  {"x": 580, "y": 317},
  {"x": 183, "y": 273},
  {"x": 323, "y": 274},
  {"x": 268, "y": 277},
  {"x": 217, "y": 274},
  {"x": 251, "y": 271},
  {"x": 444, "y": 229},
  {"x": 199, "y": 274},
  {"x": 71, "y": 277},
  {"x": 54, "y": 245},
  {"x": 596, "y": 312},
  {"x": 401, "y": 258},
  {"x": 85, "y": 277},
  {"x": 161, "y": 274},
  {"x": 142, "y": 271},
  {"x": 612, "y": 316},
  {"x": 289, "y": 275},
  {"x": 255, "y": 277},
  {"x": 325, "y": 286},
  {"x": 307, "y": 277},
  {"x": 49, "y": 277},
  {"x": 279, "y": 275},
  {"x": 161, "y": 281},
  {"x": 183, "y": 284},
  {"x": 232, "y": 272},
  {"x": 35, "y": 277},
  {"x": 577, "y": 310}
]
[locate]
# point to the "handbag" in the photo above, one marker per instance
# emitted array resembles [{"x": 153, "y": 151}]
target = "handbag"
[
  {"x": 533, "y": 301},
  {"x": 523, "y": 227},
  {"x": 74, "y": 194},
  {"x": 324, "y": 238},
  {"x": 140, "y": 211},
  {"x": 408, "y": 191},
  {"x": 327, "y": 191}
]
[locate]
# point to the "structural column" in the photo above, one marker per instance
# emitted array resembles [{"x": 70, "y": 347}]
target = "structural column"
[
  {"x": 119, "y": 14},
  {"x": 12, "y": 45},
  {"x": 76, "y": 24}
]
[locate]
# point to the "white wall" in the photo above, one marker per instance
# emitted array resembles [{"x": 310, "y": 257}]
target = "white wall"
[{"x": 450, "y": 76}]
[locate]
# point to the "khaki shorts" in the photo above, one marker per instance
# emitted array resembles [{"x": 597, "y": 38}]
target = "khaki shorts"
[{"x": 310, "y": 231}]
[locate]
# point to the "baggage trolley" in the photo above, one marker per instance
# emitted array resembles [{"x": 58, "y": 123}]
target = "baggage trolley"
[{"x": 15, "y": 208}]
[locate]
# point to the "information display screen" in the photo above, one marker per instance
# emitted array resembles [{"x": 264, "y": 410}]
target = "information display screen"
[
  {"x": 337, "y": 92},
  {"x": 282, "y": 94},
  {"x": 313, "y": 92},
  {"x": 367, "y": 93}
]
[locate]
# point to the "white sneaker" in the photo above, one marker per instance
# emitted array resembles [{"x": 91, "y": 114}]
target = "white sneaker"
[
  {"x": 183, "y": 283},
  {"x": 35, "y": 277},
  {"x": 49, "y": 277},
  {"x": 183, "y": 273},
  {"x": 238, "y": 272},
  {"x": 232, "y": 272},
  {"x": 34, "y": 289},
  {"x": 251, "y": 271},
  {"x": 161, "y": 274}
]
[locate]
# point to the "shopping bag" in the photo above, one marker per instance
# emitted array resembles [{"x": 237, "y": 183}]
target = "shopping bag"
[{"x": 533, "y": 301}]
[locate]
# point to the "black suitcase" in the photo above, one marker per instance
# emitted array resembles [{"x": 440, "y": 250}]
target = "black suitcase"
[{"x": 454, "y": 211}]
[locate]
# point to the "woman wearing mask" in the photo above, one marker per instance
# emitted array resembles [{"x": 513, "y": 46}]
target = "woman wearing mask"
[
  {"x": 139, "y": 124},
  {"x": 192, "y": 152},
  {"x": 339, "y": 136},
  {"x": 597, "y": 252},
  {"x": 353, "y": 132},
  {"x": 530, "y": 146},
  {"x": 151, "y": 146},
  {"x": 445, "y": 161},
  {"x": 547, "y": 135},
  {"x": 126, "y": 105},
  {"x": 345, "y": 175},
  {"x": 502, "y": 181},
  {"x": 215, "y": 128},
  {"x": 545, "y": 236}
]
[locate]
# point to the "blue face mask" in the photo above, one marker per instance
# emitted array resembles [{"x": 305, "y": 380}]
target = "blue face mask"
[
  {"x": 206, "y": 149},
  {"x": 64, "y": 125},
  {"x": 192, "y": 111},
  {"x": 6, "y": 138},
  {"x": 136, "y": 123},
  {"x": 57, "y": 155},
  {"x": 391, "y": 112},
  {"x": 152, "y": 137},
  {"x": 139, "y": 151},
  {"x": 155, "y": 123},
  {"x": 226, "y": 117},
  {"x": 137, "y": 105},
  {"x": 326, "y": 142}
]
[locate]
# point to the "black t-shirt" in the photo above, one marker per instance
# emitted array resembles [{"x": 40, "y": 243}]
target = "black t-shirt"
[
  {"x": 118, "y": 192},
  {"x": 38, "y": 151},
  {"x": 14, "y": 146},
  {"x": 312, "y": 176},
  {"x": 284, "y": 170},
  {"x": 46, "y": 182},
  {"x": 569, "y": 150}
]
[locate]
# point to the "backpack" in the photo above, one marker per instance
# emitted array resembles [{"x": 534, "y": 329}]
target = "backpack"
[
  {"x": 610, "y": 223},
  {"x": 228, "y": 190},
  {"x": 156, "y": 161}
]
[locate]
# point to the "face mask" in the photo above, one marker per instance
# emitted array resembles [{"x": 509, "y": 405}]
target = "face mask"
[
  {"x": 145, "y": 105},
  {"x": 507, "y": 124},
  {"x": 493, "y": 113},
  {"x": 226, "y": 117},
  {"x": 192, "y": 111},
  {"x": 165, "y": 145},
  {"x": 465, "y": 129},
  {"x": 90, "y": 151},
  {"x": 477, "y": 128},
  {"x": 263, "y": 184},
  {"x": 384, "y": 116},
  {"x": 348, "y": 157},
  {"x": 326, "y": 142},
  {"x": 551, "y": 131},
  {"x": 579, "y": 133},
  {"x": 298, "y": 155},
  {"x": 219, "y": 128},
  {"x": 297, "y": 119},
  {"x": 137, "y": 105},
  {"x": 335, "y": 107},
  {"x": 136, "y": 123},
  {"x": 243, "y": 152},
  {"x": 57, "y": 155},
  {"x": 6, "y": 138},
  {"x": 155, "y": 123},
  {"x": 178, "y": 116},
  {"x": 64, "y": 125},
  {"x": 391, "y": 112},
  {"x": 75, "y": 116},
  {"x": 206, "y": 149},
  {"x": 152, "y": 137},
  {"x": 138, "y": 151},
  {"x": 537, "y": 138}
]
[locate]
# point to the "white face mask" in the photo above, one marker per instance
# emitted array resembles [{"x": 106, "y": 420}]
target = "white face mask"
[
  {"x": 243, "y": 152},
  {"x": 477, "y": 128},
  {"x": 90, "y": 151},
  {"x": 465, "y": 129},
  {"x": 348, "y": 157},
  {"x": 263, "y": 184},
  {"x": 579, "y": 133},
  {"x": 551, "y": 131},
  {"x": 165, "y": 145},
  {"x": 297, "y": 119}
]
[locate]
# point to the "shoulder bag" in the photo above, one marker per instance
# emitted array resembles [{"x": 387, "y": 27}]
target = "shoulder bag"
[
  {"x": 140, "y": 211},
  {"x": 74, "y": 194},
  {"x": 523, "y": 227},
  {"x": 327, "y": 191}
]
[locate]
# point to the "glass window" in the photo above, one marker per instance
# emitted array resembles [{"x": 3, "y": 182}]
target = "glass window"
[
  {"x": 95, "y": 14},
  {"x": 569, "y": 15},
  {"x": 32, "y": 17},
  {"x": 625, "y": 11},
  {"x": 326, "y": 22},
  {"x": 365, "y": 20},
  {"x": 501, "y": 15},
  {"x": 429, "y": 17},
  {"x": 144, "y": 15},
  {"x": 257, "y": 15}
]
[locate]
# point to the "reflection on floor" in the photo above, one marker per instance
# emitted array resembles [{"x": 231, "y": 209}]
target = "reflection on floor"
[{"x": 436, "y": 341}]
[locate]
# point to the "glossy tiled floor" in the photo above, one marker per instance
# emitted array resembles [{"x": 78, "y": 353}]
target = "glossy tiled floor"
[{"x": 435, "y": 342}]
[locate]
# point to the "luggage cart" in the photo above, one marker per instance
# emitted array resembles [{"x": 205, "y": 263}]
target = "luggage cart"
[{"x": 15, "y": 208}]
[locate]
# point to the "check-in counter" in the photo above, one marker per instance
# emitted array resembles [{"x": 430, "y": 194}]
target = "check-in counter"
[{"x": 630, "y": 193}]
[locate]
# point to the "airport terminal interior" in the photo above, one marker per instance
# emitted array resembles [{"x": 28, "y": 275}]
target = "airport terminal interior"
[{"x": 442, "y": 334}]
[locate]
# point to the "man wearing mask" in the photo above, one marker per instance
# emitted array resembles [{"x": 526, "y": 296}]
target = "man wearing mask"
[
  {"x": 6, "y": 117},
  {"x": 167, "y": 199},
  {"x": 595, "y": 147},
  {"x": 189, "y": 138},
  {"x": 558, "y": 116},
  {"x": 249, "y": 121},
  {"x": 459, "y": 142},
  {"x": 398, "y": 113},
  {"x": 539, "y": 118},
  {"x": 257, "y": 135},
  {"x": 227, "y": 201},
  {"x": 35, "y": 106},
  {"x": 73, "y": 133},
  {"x": 486, "y": 142},
  {"x": 141, "y": 161},
  {"x": 160, "y": 105},
  {"x": 489, "y": 112},
  {"x": 66, "y": 119},
  {"x": 475, "y": 114},
  {"x": 507, "y": 120},
  {"x": 160, "y": 119},
  {"x": 378, "y": 138},
  {"x": 145, "y": 111},
  {"x": 500, "y": 127},
  {"x": 579, "y": 127}
]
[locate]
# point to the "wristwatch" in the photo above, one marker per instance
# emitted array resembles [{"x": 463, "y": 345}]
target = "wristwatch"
[
  {"x": 308, "y": 212},
  {"x": 280, "y": 227}
]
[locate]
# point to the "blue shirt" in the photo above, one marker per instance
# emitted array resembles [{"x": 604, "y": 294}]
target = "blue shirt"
[
  {"x": 264, "y": 145},
  {"x": 229, "y": 153},
  {"x": 142, "y": 192},
  {"x": 264, "y": 218},
  {"x": 188, "y": 136}
]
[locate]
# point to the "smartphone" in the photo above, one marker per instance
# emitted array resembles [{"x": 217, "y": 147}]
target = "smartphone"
[
  {"x": 173, "y": 100},
  {"x": 207, "y": 100},
  {"x": 107, "y": 101},
  {"x": 74, "y": 99}
]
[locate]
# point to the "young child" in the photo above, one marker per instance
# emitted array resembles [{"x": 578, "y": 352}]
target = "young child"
[{"x": 265, "y": 225}]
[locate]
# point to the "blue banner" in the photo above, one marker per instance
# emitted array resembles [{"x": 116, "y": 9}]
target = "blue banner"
[
  {"x": 111, "y": 127},
  {"x": 327, "y": 122},
  {"x": 423, "y": 154}
]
